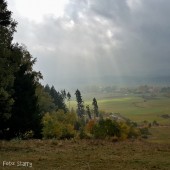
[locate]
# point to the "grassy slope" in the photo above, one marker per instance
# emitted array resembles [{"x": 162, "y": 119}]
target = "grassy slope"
[
  {"x": 87, "y": 154},
  {"x": 160, "y": 134}
]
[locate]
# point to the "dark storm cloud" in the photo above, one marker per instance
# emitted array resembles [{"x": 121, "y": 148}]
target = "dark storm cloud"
[{"x": 98, "y": 38}]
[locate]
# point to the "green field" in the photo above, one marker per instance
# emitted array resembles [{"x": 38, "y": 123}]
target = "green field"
[{"x": 134, "y": 108}]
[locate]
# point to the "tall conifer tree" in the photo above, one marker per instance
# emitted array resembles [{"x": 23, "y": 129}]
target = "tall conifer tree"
[
  {"x": 25, "y": 111},
  {"x": 7, "y": 66},
  {"x": 96, "y": 109},
  {"x": 80, "y": 104},
  {"x": 18, "y": 101}
]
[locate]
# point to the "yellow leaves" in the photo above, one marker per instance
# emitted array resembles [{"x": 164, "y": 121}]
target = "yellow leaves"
[{"x": 58, "y": 125}]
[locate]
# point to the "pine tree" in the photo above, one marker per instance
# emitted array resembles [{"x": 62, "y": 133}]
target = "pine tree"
[
  {"x": 80, "y": 105},
  {"x": 95, "y": 105}
]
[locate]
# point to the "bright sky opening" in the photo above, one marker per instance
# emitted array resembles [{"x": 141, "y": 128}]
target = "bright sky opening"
[{"x": 35, "y": 10}]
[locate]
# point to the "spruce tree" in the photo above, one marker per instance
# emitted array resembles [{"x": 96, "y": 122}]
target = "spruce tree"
[
  {"x": 80, "y": 105},
  {"x": 25, "y": 111},
  {"x": 58, "y": 99},
  {"x": 47, "y": 88},
  {"x": 19, "y": 110},
  {"x": 7, "y": 66},
  {"x": 95, "y": 105},
  {"x": 45, "y": 101}
]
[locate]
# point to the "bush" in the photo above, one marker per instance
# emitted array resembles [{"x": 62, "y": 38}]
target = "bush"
[
  {"x": 133, "y": 132},
  {"x": 124, "y": 130},
  {"x": 62, "y": 125},
  {"x": 83, "y": 134},
  {"x": 67, "y": 132},
  {"x": 106, "y": 128},
  {"x": 144, "y": 132},
  {"x": 99, "y": 132},
  {"x": 51, "y": 126},
  {"x": 155, "y": 123},
  {"x": 110, "y": 128},
  {"x": 90, "y": 126},
  {"x": 58, "y": 125}
]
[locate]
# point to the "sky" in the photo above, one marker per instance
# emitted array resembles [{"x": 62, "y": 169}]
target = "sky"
[{"x": 83, "y": 41}]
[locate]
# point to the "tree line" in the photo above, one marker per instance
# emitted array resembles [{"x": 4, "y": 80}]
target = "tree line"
[
  {"x": 23, "y": 100},
  {"x": 31, "y": 110}
]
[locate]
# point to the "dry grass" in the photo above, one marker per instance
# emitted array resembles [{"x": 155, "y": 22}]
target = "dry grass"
[
  {"x": 86, "y": 154},
  {"x": 160, "y": 134}
]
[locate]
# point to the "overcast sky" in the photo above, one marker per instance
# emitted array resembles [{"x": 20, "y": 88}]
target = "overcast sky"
[{"x": 94, "y": 38}]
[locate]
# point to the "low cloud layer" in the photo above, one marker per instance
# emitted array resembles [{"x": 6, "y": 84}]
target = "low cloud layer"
[{"x": 98, "y": 38}]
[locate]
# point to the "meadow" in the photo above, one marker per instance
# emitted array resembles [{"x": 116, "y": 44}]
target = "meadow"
[
  {"x": 85, "y": 155},
  {"x": 134, "y": 107},
  {"x": 152, "y": 153}
]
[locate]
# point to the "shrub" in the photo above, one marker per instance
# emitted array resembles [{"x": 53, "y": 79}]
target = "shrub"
[
  {"x": 106, "y": 128},
  {"x": 67, "y": 131},
  {"x": 83, "y": 134},
  {"x": 99, "y": 132},
  {"x": 124, "y": 130},
  {"x": 90, "y": 126},
  {"x": 155, "y": 123},
  {"x": 58, "y": 125},
  {"x": 144, "y": 132},
  {"x": 133, "y": 132},
  {"x": 51, "y": 126}
]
